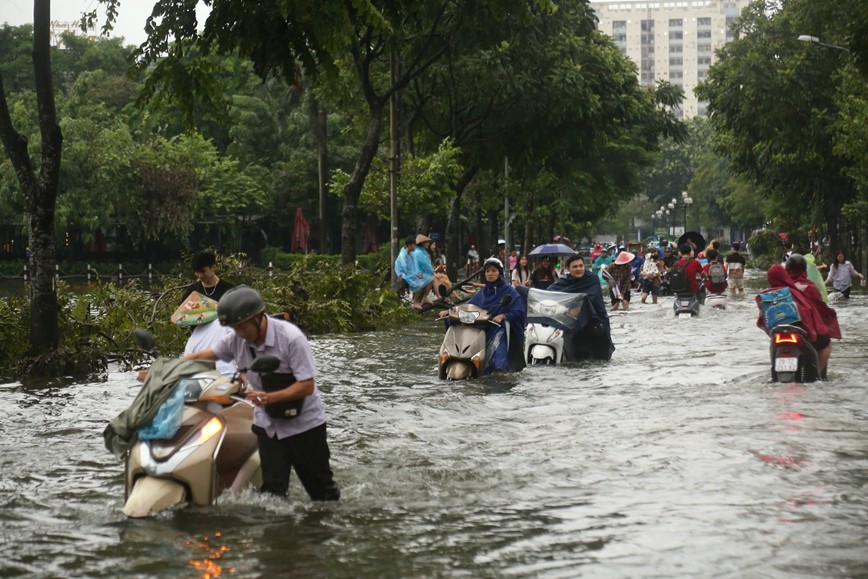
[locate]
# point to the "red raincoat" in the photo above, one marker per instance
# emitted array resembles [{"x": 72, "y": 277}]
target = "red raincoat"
[{"x": 818, "y": 319}]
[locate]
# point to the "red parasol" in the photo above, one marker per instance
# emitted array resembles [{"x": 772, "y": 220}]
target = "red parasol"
[{"x": 300, "y": 233}]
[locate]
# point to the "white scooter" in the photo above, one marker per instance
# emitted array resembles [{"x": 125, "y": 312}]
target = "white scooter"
[
  {"x": 549, "y": 314},
  {"x": 213, "y": 450},
  {"x": 716, "y": 300}
]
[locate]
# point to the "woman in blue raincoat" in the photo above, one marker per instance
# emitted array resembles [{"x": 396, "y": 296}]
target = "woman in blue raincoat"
[
  {"x": 503, "y": 352},
  {"x": 424, "y": 271}
]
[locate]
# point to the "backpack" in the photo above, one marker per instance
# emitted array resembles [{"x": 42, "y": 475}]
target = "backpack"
[
  {"x": 678, "y": 279},
  {"x": 716, "y": 273},
  {"x": 778, "y": 307}
]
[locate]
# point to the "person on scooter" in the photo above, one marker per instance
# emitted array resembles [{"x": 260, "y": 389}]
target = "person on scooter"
[
  {"x": 596, "y": 338},
  {"x": 818, "y": 320},
  {"x": 298, "y": 442},
  {"x": 714, "y": 273},
  {"x": 694, "y": 271},
  {"x": 504, "y": 352}
]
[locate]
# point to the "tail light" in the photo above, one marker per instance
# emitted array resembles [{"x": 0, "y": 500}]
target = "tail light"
[
  {"x": 788, "y": 338},
  {"x": 444, "y": 357},
  {"x": 477, "y": 361}
]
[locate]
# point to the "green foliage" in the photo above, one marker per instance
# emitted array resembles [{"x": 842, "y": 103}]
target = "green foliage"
[{"x": 765, "y": 248}]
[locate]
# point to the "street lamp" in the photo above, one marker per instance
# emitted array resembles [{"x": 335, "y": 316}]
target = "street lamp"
[
  {"x": 686, "y": 200},
  {"x": 815, "y": 40}
]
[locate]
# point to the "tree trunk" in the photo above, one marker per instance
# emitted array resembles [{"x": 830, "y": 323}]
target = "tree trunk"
[
  {"x": 40, "y": 194},
  {"x": 353, "y": 189},
  {"x": 453, "y": 248}
]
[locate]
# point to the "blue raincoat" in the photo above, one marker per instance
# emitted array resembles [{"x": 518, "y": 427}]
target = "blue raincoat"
[
  {"x": 503, "y": 354},
  {"x": 595, "y": 337},
  {"x": 423, "y": 265}
]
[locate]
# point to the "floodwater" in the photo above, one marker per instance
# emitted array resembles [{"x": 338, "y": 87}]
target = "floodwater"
[{"x": 679, "y": 458}]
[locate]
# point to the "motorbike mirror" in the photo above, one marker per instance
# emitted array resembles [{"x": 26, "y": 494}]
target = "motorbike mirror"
[
  {"x": 506, "y": 300},
  {"x": 443, "y": 291},
  {"x": 265, "y": 364},
  {"x": 144, "y": 339}
]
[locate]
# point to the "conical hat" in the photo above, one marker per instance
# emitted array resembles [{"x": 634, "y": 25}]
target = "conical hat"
[{"x": 196, "y": 310}]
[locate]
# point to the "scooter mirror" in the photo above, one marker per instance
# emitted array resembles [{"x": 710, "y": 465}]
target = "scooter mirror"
[
  {"x": 265, "y": 364},
  {"x": 443, "y": 291},
  {"x": 144, "y": 340},
  {"x": 506, "y": 300}
]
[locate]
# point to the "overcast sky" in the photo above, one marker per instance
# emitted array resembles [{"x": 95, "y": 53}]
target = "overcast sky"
[{"x": 130, "y": 22}]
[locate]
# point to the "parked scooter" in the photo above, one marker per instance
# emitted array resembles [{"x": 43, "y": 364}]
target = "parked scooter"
[
  {"x": 549, "y": 315},
  {"x": 463, "y": 351},
  {"x": 793, "y": 357},
  {"x": 213, "y": 450}
]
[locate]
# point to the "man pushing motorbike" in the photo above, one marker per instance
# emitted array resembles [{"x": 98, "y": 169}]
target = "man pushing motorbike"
[{"x": 289, "y": 419}]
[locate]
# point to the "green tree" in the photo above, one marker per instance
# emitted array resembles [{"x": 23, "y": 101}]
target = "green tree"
[
  {"x": 39, "y": 190},
  {"x": 774, "y": 102}
]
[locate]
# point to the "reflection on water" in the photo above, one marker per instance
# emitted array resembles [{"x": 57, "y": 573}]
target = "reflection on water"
[{"x": 678, "y": 458}]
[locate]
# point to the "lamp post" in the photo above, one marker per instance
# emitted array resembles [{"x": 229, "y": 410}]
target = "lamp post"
[
  {"x": 686, "y": 200},
  {"x": 815, "y": 40},
  {"x": 671, "y": 209},
  {"x": 862, "y": 232}
]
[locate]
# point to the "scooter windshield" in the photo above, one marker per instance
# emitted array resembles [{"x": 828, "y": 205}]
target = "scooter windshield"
[{"x": 554, "y": 308}]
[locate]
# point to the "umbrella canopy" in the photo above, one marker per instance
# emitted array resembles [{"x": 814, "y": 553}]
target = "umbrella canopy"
[
  {"x": 696, "y": 238},
  {"x": 557, "y": 249},
  {"x": 300, "y": 232}
]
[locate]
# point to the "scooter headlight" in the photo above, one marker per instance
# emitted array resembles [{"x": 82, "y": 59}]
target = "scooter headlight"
[
  {"x": 209, "y": 431},
  {"x": 466, "y": 317}
]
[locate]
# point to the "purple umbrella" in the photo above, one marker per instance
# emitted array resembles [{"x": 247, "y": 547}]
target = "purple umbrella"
[{"x": 556, "y": 249}]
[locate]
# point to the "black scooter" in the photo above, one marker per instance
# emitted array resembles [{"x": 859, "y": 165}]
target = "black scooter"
[{"x": 793, "y": 357}]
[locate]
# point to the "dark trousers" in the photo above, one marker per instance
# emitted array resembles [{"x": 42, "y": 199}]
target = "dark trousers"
[{"x": 308, "y": 453}]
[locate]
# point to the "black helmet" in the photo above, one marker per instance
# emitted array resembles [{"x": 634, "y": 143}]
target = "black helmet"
[
  {"x": 239, "y": 304},
  {"x": 796, "y": 263}
]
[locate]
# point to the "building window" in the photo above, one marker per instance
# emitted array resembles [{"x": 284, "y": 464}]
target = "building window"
[
  {"x": 703, "y": 60},
  {"x": 676, "y": 61},
  {"x": 676, "y": 74},
  {"x": 676, "y": 35},
  {"x": 675, "y": 49},
  {"x": 676, "y": 23},
  {"x": 703, "y": 22},
  {"x": 703, "y": 34}
]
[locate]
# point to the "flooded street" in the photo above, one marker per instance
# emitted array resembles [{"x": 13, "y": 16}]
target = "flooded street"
[{"x": 679, "y": 458}]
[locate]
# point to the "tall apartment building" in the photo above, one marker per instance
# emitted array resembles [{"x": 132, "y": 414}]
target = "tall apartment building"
[{"x": 671, "y": 40}]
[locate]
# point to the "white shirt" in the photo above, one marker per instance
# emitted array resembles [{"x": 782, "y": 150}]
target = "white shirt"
[{"x": 205, "y": 336}]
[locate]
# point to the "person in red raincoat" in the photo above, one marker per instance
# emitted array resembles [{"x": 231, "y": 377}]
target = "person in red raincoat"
[{"x": 819, "y": 321}]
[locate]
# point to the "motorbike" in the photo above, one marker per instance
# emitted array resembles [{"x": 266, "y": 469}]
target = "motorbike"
[
  {"x": 793, "y": 357},
  {"x": 463, "y": 351},
  {"x": 686, "y": 305},
  {"x": 549, "y": 315},
  {"x": 716, "y": 300},
  {"x": 213, "y": 450}
]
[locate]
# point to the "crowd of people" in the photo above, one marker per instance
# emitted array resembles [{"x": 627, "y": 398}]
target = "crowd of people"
[{"x": 241, "y": 330}]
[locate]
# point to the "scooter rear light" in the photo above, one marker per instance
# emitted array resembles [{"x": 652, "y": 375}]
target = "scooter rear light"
[
  {"x": 444, "y": 357},
  {"x": 786, "y": 338},
  {"x": 477, "y": 361}
]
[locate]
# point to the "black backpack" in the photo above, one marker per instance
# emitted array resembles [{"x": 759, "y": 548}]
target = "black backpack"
[
  {"x": 716, "y": 273},
  {"x": 678, "y": 279}
]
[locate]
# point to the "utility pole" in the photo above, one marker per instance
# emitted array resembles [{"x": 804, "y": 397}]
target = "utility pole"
[{"x": 394, "y": 166}]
